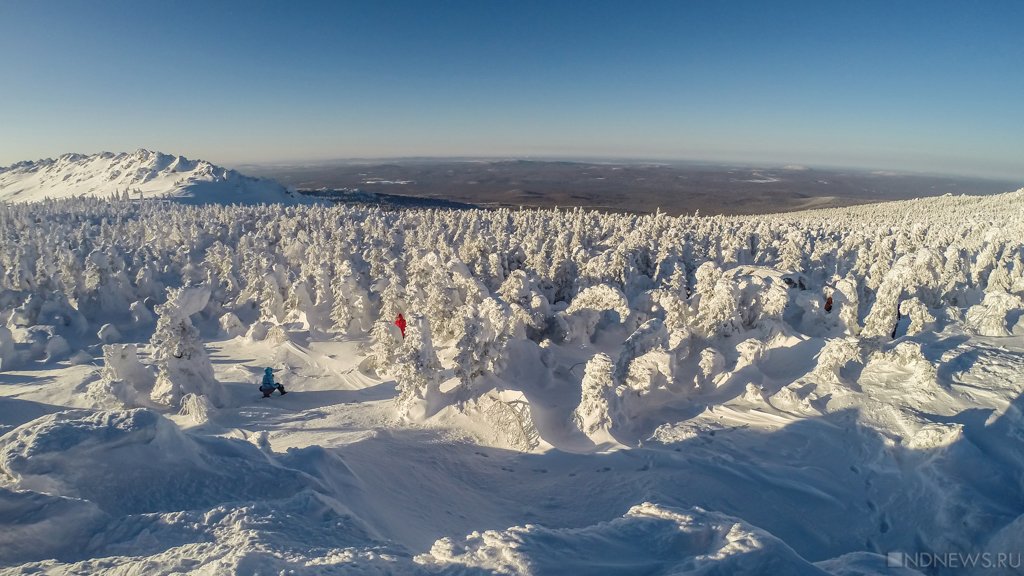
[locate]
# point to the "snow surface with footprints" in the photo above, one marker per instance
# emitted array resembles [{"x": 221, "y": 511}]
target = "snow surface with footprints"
[{"x": 618, "y": 435}]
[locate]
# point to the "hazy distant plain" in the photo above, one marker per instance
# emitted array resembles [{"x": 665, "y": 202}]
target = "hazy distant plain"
[{"x": 675, "y": 188}]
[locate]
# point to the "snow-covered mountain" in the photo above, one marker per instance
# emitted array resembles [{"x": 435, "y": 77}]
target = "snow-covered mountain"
[{"x": 142, "y": 174}]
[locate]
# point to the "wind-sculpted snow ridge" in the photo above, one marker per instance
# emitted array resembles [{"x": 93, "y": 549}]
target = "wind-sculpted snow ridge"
[
  {"x": 132, "y": 483},
  {"x": 648, "y": 539},
  {"x": 142, "y": 174},
  {"x": 213, "y": 504},
  {"x": 201, "y": 503},
  {"x": 789, "y": 393},
  {"x": 82, "y": 455}
]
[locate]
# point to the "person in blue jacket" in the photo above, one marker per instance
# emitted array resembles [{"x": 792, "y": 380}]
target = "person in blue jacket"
[{"x": 268, "y": 386}]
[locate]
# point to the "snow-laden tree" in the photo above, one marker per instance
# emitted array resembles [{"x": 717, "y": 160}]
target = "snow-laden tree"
[
  {"x": 677, "y": 313},
  {"x": 8, "y": 353},
  {"x": 598, "y": 410},
  {"x": 711, "y": 364},
  {"x": 846, "y": 305},
  {"x": 441, "y": 301},
  {"x": 392, "y": 299},
  {"x": 648, "y": 376},
  {"x": 341, "y": 311},
  {"x": 272, "y": 300},
  {"x": 385, "y": 339},
  {"x": 773, "y": 300},
  {"x": 999, "y": 278},
  {"x": 881, "y": 320},
  {"x": 793, "y": 251},
  {"x": 921, "y": 318},
  {"x": 593, "y": 304},
  {"x": 563, "y": 274},
  {"x": 106, "y": 286},
  {"x": 926, "y": 282},
  {"x": 183, "y": 367},
  {"x": 349, "y": 299},
  {"x": 837, "y": 353},
  {"x": 705, "y": 279},
  {"x": 480, "y": 345},
  {"x": 649, "y": 336},
  {"x": 300, "y": 306},
  {"x": 124, "y": 381},
  {"x": 718, "y": 309},
  {"x": 417, "y": 373},
  {"x": 990, "y": 317},
  {"x": 528, "y": 305}
]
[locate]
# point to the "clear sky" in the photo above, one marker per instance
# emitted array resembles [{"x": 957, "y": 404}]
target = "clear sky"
[{"x": 928, "y": 85}]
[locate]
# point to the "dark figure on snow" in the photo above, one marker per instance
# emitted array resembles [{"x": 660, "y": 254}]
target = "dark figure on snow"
[
  {"x": 400, "y": 322},
  {"x": 828, "y": 304},
  {"x": 268, "y": 386}
]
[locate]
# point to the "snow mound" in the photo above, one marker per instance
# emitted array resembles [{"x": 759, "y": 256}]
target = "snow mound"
[
  {"x": 46, "y": 526},
  {"x": 140, "y": 174},
  {"x": 125, "y": 381},
  {"x": 129, "y": 491},
  {"x": 137, "y": 461},
  {"x": 648, "y": 539},
  {"x": 304, "y": 534}
]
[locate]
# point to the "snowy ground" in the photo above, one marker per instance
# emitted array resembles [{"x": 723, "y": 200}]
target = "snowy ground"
[
  {"x": 828, "y": 392},
  {"x": 785, "y": 480}
]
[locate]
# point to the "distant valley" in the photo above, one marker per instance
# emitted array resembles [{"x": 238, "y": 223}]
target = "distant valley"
[{"x": 675, "y": 188}]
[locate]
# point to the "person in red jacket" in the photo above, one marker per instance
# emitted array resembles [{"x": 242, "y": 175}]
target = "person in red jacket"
[{"x": 400, "y": 322}]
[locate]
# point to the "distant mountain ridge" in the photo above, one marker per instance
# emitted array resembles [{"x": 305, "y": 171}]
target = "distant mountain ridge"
[{"x": 143, "y": 174}]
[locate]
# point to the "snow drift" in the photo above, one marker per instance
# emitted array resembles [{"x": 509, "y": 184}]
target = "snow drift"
[
  {"x": 83, "y": 455},
  {"x": 648, "y": 539}
]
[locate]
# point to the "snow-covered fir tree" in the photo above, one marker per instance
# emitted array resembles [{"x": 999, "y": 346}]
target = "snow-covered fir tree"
[
  {"x": 417, "y": 372},
  {"x": 599, "y": 404},
  {"x": 183, "y": 366}
]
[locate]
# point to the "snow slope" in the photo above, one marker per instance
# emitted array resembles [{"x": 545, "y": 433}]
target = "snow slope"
[
  {"x": 577, "y": 393},
  {"x": 142, "y": 174}
]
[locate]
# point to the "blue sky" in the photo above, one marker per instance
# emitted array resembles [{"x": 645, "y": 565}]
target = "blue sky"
[{"x": 931, "y": 86}]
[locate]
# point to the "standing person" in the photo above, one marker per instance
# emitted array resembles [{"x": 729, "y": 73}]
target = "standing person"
[
  {"x": 268, "y": 386},
  {"x": 400, "y": 322}
]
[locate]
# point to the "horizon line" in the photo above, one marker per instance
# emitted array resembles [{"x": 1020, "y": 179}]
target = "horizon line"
[{"x": 569, "y": 158}]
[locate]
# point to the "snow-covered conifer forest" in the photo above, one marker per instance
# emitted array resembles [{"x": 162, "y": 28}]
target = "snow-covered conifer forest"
[{"x": 575, "y": 392}]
